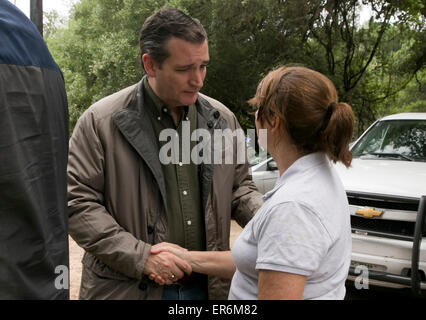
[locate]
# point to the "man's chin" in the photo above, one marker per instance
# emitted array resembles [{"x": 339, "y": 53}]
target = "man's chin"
[{"x": 189, "y": 99}]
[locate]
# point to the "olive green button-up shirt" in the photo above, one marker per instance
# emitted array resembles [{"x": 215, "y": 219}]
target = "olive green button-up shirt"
[{"x": 184, "y": 213}]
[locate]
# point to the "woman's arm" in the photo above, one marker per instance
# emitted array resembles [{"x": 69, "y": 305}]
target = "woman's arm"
[
  {"x": 214, "y": 263},
  {"x": 276, "y": 285}
]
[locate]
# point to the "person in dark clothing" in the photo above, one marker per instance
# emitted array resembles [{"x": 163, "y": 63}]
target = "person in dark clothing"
[{"x": 33, "y": 160}]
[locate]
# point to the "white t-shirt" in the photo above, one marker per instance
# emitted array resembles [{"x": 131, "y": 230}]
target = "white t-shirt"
[{"x": 303, "y": 228}]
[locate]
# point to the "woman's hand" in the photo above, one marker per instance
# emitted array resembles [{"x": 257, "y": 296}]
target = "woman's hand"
[{"x": 171, "y": 248}]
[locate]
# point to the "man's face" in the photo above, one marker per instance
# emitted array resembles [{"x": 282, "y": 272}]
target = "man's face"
[{"x": 182, "y": 74}]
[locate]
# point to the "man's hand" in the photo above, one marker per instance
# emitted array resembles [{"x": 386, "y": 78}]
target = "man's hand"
[
  {"x": 172, "y": 251},
  {"x": 164, "y": 267}
]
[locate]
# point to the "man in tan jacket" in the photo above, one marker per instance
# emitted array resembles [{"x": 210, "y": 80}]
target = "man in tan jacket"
[{"x": 127, "y": 194}]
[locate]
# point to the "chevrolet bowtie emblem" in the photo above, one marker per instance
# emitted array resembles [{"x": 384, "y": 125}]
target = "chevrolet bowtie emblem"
[{"x": 369, "y": 213}]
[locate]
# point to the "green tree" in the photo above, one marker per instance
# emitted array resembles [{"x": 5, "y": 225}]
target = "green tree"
[
  {"x": 98, "y": 52},
  {"x": 378, "y": 68},
  {"x": 366, "y": 63}
]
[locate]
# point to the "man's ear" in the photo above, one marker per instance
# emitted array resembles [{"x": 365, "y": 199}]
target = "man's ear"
[{"x": 149, "y": 65}]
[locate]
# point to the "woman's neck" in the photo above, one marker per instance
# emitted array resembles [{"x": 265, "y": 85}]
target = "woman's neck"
[{"x": 285, "y": 156}]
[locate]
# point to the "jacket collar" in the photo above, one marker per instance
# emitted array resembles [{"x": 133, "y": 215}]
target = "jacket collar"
[
  {"x": 209, "y": 119},
  {"x": 135, "y": 125}
]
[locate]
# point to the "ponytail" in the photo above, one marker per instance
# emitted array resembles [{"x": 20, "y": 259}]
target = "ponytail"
[
  {"x": 338, "y": 133},
  {"x": 306, "y": 103}
]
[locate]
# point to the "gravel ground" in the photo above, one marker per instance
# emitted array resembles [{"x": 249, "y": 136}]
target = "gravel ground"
[{"x": 76, "y": 254}]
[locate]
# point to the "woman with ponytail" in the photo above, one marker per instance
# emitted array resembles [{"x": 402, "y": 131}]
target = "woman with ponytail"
[{"x": 298, "y": 245}]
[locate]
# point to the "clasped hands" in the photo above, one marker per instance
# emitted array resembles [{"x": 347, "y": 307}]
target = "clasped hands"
[{"x": 167, "y": 263}]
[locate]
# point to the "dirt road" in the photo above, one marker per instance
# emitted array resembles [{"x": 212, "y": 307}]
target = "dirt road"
[{"x": 76, "y": 254}]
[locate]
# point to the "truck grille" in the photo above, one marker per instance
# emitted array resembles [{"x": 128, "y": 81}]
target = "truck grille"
[
  {"x": 402, "y": 230},
  {"x": 395, "y": 229}
]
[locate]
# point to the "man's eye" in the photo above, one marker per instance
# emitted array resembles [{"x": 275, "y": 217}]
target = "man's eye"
[{"x": 183, "y": 68}]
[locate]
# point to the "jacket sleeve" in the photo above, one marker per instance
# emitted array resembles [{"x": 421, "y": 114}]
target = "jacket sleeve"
[
  {"x": 90, "y": 224},
  {"x": 246, "y": 199}
]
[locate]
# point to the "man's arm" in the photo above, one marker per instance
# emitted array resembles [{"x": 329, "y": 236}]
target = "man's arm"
[
  {"x": 91, "y": 225},
  {"x": 246, "y": 199}
]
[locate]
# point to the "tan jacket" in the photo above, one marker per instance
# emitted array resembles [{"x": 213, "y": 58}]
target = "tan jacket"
[{"x": 116, "y": 195}]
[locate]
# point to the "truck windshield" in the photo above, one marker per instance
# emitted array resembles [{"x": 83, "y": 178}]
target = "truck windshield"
[{"x": 394, "y": 139}]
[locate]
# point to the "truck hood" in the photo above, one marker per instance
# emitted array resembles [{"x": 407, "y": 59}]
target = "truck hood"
[{"x": 387, "y": 177}]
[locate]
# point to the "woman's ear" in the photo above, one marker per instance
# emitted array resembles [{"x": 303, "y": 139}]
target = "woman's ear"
[
  {"x": 275, "y": 124},
  {"x": 149, "y": 65}
]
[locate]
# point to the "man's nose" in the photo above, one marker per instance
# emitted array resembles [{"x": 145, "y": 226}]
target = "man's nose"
[{"x": 197, "y": 78}]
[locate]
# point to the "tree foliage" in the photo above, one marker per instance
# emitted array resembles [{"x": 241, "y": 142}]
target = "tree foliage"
[{"x": 378, "y": 68}]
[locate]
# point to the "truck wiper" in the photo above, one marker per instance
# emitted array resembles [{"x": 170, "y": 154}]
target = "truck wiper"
[{"x": 389, "y": 155}]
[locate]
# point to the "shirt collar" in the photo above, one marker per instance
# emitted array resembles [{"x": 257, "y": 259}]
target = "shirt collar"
[
  {"x": 159, "y": 106},
  {"x": 298, "y": 167}
]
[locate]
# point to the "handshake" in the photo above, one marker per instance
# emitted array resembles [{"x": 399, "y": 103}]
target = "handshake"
[{"x": 168, "y": 263}]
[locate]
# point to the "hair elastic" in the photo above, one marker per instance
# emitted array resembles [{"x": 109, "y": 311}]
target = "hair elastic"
[
  {"x": 327, "y": 116},
  {"x": 329, "y": 111}
]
